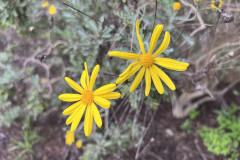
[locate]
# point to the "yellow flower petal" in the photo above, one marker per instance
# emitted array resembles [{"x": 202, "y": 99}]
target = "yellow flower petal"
[
  {"x": 69, "y": 138},
  {"x": 74, "y": 85},
  {"x": 105, "y": 89},
  {"x": 139, "y": 38},
  {"x": 164, "y": 77},
  {"x": 213, "y": 6},
  {"x": 96, "y": 115},
  {"x": 83, "y": 80},
  {"x": 124, "y": 55},
  {"x": 45, "y": 4},
  {"x": 52, "y": 10},
  {"x": 110, "y": 95},
  {"x": 73, "y": 116},
  {"x": 156, "y": 33},
  {"x": 88, "y": 122},
  {"x": 69, "y": 97},
  {"x": 78, "y": 117},
  {"x": 129, "y": 67},
  {"x": 148, "y": 82},
  {"x": 156, "y": 81},
  {"x": 71, "y": 108},
  {"x": 171, "y": 64},
  {"x": 93, "y": 76},
  {"x": 87, "y": 75},
  {"x": 137, "y": 80},
  {"x": 102, "y": 102},
  {"x": 216, "y": 6},
  {"x": 132, "y": 71},
  {"x": 164, "y": 44}
]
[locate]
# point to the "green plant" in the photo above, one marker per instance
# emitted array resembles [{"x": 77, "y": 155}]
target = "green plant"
[
  {"x": 223, "y": 140},
  {"x": 187, "y": 124},
  {"x": 236, "y": 93},
  {"x": 10, "y": 83},
  {"x": 17, "y": 14},
  {"x": 30, "y": 138},
  {"x": 193, "y": 114},
  {"x": 114, "y": 140},
  {"x": 9, "y": 75},
  {"x": 33, "y": 105}
]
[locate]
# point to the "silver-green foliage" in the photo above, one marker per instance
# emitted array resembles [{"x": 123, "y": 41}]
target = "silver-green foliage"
[
  {"x": 13, "y": 103},
  {"x": 25, "y": 146},
  {"x": 9, "y": 75},
  {"x": 116, "y": 139}
]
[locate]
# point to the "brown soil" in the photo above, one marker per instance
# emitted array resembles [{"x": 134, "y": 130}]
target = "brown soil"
[{"x": 168, "y": 140}]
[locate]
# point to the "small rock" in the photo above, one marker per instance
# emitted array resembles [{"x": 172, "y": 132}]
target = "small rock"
[
  {"x": 169, "y": 132},
  {"x": 231, "y": 54}
]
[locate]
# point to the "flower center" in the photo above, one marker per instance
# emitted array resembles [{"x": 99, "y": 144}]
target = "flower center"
[
  {"x": 146, "y": 60},
  {"x": 87, "y": 97}
]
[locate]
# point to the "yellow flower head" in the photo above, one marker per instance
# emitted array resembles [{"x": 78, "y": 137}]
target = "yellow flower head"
[
  {"x": 45, "y": 4},
  {"x": 69, "y": 138},
  {"x": 42, "y": 80},
  {"x": 87, "y": 99},
  {"x": 176, "y": 6},
  {"x": 79, "y": 144},
  {"x": 52, "y": 10},
  {"x": 216, "y": 4},
  {"x": 147, "y": 63}
]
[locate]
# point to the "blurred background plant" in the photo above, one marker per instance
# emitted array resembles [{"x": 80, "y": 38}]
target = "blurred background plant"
[
  {"x": 225, "y": 138},
  {"x": 112, "y": 142},
  {"x": 38, "y": 49},
  {"x": 30, "y": 138}
]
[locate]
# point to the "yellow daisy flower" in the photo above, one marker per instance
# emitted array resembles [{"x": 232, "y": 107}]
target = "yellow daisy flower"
[
  {"x": 86, "y": 99},
  {"x": 52, "y": 10},
  {"x": 69, "y": 138},
  {"x": 45, "y": 4},
  {"x": 216, "y": 4},
  {"x": 196, "y": 2},
  {"x": 176, "y": 6},
  {"x": 148, "y": 63},
  {"x": 79, "y": 144},
  {"x": 43, "y": 80}
]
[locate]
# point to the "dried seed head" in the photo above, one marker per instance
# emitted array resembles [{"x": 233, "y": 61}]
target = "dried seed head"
[
  {"x": 227, "y": 17},
  {"x": 41, "y": 57},
  {"x": 220, "y": 10}
]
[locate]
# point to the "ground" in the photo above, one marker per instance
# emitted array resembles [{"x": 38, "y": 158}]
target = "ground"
[{"x": 166, "y": 139}]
